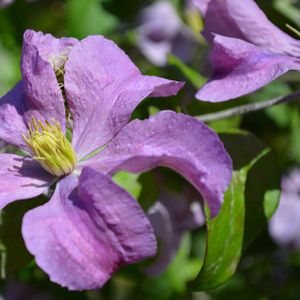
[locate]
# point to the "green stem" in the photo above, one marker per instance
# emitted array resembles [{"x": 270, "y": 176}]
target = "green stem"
[{"x": 247, "y": 108}]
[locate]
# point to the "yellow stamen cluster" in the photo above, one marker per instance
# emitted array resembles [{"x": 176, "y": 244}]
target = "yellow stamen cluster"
[{"x": 50, "y": 147}]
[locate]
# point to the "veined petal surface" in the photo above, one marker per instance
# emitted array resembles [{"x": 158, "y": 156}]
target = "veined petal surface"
[
  {"x": 240, "y": 68},
  {"x": 103, "y": 87},
  {"x": 12, "y": 110},
  {"x": 246, "y": 21},
  {"x": 40, "y": 55},
  {"x": 173, "y": 140},
  {"x": 21, "y": 178},
  {"x": 86, "y": 232}
]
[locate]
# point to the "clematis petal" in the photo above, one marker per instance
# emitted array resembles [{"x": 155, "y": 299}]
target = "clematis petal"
[
  {"x": 49, "y": 47},
  {"x": 4, "y": 3},
  {"x": 12, "y": 123},
  {"x": 168, "y": 236},
  {"x": 230, "y": 18},
  {"x": 39, "y": 56},
  {"x": 171, "y": 216},
  {"x": 159, "y": 24},
  {"x": 103, "y": 87},
  {"x": 38, "y": 94},
  {"x": 173, "y": 140},
  {"x": 21, "y": 178},
  {"x": 285, "y": 224},
  {"x": 85, "y": 233},
  {"x": 241, "y": 68}
]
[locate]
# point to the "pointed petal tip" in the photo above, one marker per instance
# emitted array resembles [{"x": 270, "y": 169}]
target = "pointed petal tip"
[
  {"x": 167, "y": 88},
  {"x": 240, "y": 68},
  {"x": 212, "y": 96}
]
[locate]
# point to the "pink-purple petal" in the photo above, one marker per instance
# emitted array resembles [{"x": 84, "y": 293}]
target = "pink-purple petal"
[
  {"x": 21, "y": 178},
  {"x": 159, "y": 31},
  {"x": 86, "y": 232},
  {"x": 103, "y": 87},
  {"x": 284, "y": 227},
  {"x": 44, "y": 96},
  {"x": 172, "y": 216},
  {"x": 240, "y": 68},
  {"x": 12, "y": 123},
  {"x": 246, "y": 21},
  {"x": 4, "y": 3},
  {"x": 48, "y": 46},
  {"x": 38, "y": 93},
  {"x": 177, "y": 141}
]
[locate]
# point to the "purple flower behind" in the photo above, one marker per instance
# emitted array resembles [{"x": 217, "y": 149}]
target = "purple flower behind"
[
  {"x": 171, "y": 216},
  {"x": 17, "y": 290},
  {"x": 91, "y": 226},
  {"x": 161, "y": 32},
  {"x": 4, "y": 3},
  {"x": 284, "y": 227},
  {"x": 249, "y": 51}
]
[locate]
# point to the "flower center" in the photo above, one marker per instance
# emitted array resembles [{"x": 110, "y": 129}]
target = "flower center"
[{"x": 50, "y": 147}]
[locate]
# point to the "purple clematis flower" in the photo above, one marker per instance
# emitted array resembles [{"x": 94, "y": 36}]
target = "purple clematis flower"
[
  {"x": 249, "y": 51},
  {"x": 91, "y": 226},
  {"x": 161, "y": 32},
  {"x": 17, "y": 290},
  {"x": 4, "y": 3},
  {"x": 171, "y": 216},
  {"x": 284, "y": 227}
]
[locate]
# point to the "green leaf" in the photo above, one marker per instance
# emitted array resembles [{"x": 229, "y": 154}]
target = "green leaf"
[
  {"x": 13, "y": 254},
  {"x": 262, "y": 196},
  {"x": 294, "y": 141},
  {"x": 244, "y": 212},
  {"x": 195, "y": 78},
  {"x": 224, "y": 237}
]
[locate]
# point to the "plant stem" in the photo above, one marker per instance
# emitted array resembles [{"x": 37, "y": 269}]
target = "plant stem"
[{"x": 247, "y": 108}]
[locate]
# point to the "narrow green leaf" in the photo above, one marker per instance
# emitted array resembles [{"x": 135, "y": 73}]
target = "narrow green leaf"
[
  {"x": 224, "y": 237},
  {"x": 244, "y": 212},
  {"x": 262, "y": 196}
]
